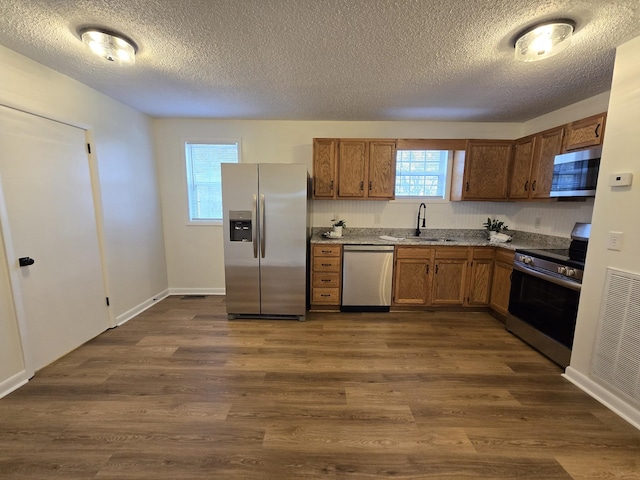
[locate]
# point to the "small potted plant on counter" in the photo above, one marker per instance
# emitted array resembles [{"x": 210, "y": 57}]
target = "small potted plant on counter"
[
  {"x": 338, "y": 225},
  {"x": 495, "y": 227}
]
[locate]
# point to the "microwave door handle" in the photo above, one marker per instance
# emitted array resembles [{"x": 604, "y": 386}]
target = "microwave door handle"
[
  {"x": 262, "y": 226},
  {"x": 254, "y": 230}
]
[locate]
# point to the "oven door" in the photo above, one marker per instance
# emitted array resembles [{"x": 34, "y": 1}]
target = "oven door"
[{"x": 546, "y": 303}]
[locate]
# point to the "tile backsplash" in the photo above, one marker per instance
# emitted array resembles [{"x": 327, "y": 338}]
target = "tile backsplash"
[{"x": 546, "y": 218}]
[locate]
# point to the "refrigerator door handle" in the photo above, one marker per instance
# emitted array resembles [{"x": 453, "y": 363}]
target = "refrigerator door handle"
[
  {"x": 262, "y": 229},
  {"x": 254, "y": 206}
]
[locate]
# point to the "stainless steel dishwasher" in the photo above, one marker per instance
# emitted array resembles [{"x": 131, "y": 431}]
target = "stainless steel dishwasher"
[{"x": 367, "y": 274}]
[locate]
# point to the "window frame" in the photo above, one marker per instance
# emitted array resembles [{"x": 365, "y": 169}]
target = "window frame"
[
  {"x": 186, "y": 169},
  {"x": 450, "y": 145}
]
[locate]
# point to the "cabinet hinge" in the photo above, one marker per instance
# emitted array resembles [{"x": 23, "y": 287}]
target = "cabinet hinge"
[
  {"x": 107, "y": 298},
  {"x": 88, "y": 148}
]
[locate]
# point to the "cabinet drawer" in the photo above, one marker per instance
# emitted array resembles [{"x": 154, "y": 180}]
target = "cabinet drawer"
[
  {"x": 327, "y": 264},
  {"x": 326, "y": 296},
  {"x": 326, "y": 250},
  {"x": 452, "y": 252},
  {"x": 483, "y": 253},
  {"x": 326, "y": 280},
  {"x": 505, "y": 256},
  {"x": 413, "y": 252}
]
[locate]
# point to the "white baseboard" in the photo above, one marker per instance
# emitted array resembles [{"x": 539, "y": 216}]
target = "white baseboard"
[
  {"x": 197, "y": 291},
  {"x": 13, "y": 383},
  {"x": 614, "y": 403},
  {"x": 138, "y": 309}
]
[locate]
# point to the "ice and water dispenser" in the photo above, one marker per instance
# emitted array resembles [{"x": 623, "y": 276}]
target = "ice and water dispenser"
[{"x": 240, "y": 225}]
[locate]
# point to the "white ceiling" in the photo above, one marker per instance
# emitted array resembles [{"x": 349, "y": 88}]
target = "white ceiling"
[{"x": 328, "y": 59}]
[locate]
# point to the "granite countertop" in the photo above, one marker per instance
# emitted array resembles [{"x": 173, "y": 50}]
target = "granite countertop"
[{"x": 452, "y": 238}]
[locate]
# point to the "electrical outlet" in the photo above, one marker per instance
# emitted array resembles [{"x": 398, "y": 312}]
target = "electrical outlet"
[
  {"x": 615, "y": 240},
  {"x": 537, "y": 223}
]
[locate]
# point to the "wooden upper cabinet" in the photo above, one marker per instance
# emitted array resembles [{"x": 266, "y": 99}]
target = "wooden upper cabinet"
[
  {"x": 549, "y": 144},
  {"x": 366, "y": 169},
  {"x": 352, "y": 168},
  {"x": 324, "y": 168},
  {"x": 486, "y": 170},
  {"x": 523, "y": 150},
  {"x": 382, "y": 169},
  {"x": 588, "y": 132}
]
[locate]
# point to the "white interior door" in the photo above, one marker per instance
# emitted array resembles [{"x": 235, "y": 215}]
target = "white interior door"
[{"x": 49, "y": 216}]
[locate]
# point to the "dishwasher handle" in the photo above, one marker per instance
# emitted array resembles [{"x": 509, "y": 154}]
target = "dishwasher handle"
[{"x": 368, "y": 248}]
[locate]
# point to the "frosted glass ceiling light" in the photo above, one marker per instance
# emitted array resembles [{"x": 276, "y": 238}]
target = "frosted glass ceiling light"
[
  {"x": 544, "y": 40},
  {"x": 110, "y": 45}
]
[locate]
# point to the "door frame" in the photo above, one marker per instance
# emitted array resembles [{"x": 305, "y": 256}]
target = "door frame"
[{"x": 9, "y": 252}]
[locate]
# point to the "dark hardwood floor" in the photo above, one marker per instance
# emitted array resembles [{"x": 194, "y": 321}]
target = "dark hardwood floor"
[{"x": 180, "y": 392}]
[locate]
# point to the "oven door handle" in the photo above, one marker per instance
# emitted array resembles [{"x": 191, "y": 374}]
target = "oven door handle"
[{"x": 558, "y": 281}]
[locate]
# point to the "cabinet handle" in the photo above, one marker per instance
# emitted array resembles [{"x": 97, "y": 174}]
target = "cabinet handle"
[
  {"x": 369, "y": 185},
  {"x": 533, "y": 185},
  {"x": 325, "y": 294},
  {"x": 324, "y": 280},
  {"x": 325, "y": 264},
  {"x": 331, "y": 186},
  {"x": 467, "y": 189},
  {"x": 436, "y": 268},
  {"x": 526, "y": 186},
  {"x": 596, "y": 132},
  {"x": 362, "y": 185},
  {"x": 326, "y": 251},
  {"x": 427, "y": 270}
]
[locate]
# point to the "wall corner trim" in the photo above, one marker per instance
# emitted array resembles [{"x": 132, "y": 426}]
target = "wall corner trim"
[
  {"x": 610, "y": 400},
  {"x": 13, "y": 383}
]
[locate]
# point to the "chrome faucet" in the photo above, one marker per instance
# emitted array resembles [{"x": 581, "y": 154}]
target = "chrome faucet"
[{"x": 424, "y": 218}]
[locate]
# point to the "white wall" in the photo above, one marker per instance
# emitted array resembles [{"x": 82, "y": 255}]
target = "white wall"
[
  {"x": 195, "y": 253},
  {"x": 614, "y": 209},
  {"x": 123, "y": 148}
]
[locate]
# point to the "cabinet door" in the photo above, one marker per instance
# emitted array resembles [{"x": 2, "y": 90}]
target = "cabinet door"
[
  {"x": 411, "y": 282},
  {"x": 486, "y": 173},
  {"x": 549, "y": 145},
  {"x": 480, "y": 277},
  {"x": 520, "y": 184},
  {"x": 500, "y": 288},
  {"x": 352, "y": 155},
  {"x": 382, "y": 169},
  {"x": 324, "y": 168},
  {"x": 448, "y": 282},
  {"x": 585, "y": 133}
]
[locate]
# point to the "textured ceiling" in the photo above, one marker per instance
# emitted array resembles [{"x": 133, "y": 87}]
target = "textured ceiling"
[{"x": 328, "y": 59}]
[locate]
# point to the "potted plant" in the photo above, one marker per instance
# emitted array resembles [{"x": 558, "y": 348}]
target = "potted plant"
[
  {"x": 494, "y": 226},
  {"x": 338, "y": 225}
]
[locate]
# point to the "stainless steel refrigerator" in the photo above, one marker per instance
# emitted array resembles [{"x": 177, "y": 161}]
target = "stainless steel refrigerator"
[{"x": 266, "y": 234}]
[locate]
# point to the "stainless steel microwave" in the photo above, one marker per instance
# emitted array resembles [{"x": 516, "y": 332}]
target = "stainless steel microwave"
[{"x": 575, "y": 174}]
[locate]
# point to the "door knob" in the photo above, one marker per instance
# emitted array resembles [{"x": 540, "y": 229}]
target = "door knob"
[{"x": 26, "y": 261}]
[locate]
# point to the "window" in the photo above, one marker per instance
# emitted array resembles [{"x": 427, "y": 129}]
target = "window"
[
  {"x": 421, "y": 173},
  {"x": 204, "y": 185}
]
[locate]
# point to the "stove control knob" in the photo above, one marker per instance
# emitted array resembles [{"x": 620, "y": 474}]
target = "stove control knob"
[
  {"x": 570, "y": 272},
  {"x": 562, "y": 270},
  {"x": 527, "y": 260}
]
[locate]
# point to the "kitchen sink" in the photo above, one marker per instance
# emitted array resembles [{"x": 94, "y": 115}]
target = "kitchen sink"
[{"x": 420, "y": 239}]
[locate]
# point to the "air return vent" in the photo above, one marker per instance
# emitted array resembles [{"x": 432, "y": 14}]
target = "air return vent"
[{"x": 617, "y": 354}]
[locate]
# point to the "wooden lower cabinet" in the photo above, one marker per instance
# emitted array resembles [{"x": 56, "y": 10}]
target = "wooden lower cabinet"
[
  {"x": 480, "y": 276},
  {"x": 326, "y": 275},
  {"x": 412, "y": 275},
  {"x": 452, "y": 276},
  {"x": 449, "y": 276},
  {"x": 501, "y": 285}
]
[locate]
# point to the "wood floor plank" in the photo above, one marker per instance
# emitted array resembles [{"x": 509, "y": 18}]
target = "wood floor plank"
[{"x": 182, "y": 392}]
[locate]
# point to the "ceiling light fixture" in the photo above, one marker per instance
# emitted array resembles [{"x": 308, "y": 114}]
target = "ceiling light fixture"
[
  {"x": 113, "y": 46},
  {"x": 544, "y": 40}
]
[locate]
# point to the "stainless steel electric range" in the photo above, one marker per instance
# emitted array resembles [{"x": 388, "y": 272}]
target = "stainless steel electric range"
[{"x": 545, "y": 291}]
